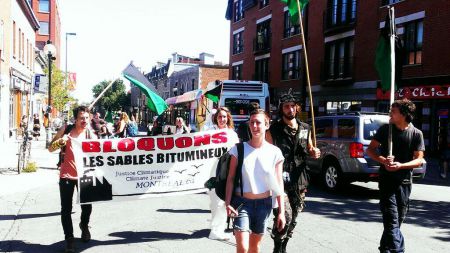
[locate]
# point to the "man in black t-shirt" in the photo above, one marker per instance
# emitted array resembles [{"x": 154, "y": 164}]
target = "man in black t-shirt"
[{"x": 396, "y": 170}]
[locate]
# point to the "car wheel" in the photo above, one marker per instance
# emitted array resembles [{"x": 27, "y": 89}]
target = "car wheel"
[{"x": 331, "y": 176}]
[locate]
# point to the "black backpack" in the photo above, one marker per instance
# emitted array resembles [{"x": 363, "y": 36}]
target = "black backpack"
[{"x": 222, "y": 168}]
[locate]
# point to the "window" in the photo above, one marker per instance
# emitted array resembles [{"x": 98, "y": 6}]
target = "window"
[
  {"x": 23, "y": 48},
  {"x": 237, "y": 72},
  {"x": 341, "y": 12},
  {"x": 289, "y": 29},
  {"x": 263, "y": 36},
  {"x": 262, "y": 70},
  {"x": 346, "y": 128},
  {"x": 43, "y": 29},
  {"x": 44, "y": 6},
  {"x": 238, "y": 11},
  {"x": 386, "y": 2},
  {"x": 291, "y": 65},
  {"x": 324, "y": 128},
  {"x": 339, "y": 59},
  {"x": 238, "y": 43},
  {"x": 20, "y": 44},
  {"x": 14, "y": 39},
  {"x": 263, "y": 3},
  {"x": 413, "y": 42}
]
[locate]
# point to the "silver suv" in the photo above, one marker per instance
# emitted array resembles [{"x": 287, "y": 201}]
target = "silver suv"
[{"x": 343, "y": 139}]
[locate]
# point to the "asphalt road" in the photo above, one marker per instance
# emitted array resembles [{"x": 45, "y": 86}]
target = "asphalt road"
[{"x": 348, "y": 221}]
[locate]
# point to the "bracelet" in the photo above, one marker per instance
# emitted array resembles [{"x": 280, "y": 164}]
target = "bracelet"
[{"x": 55, "y": 145}]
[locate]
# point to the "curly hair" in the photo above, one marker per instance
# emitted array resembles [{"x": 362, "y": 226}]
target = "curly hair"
[
  {"x": 406, "y": 108},
  {"x": 230, "y": 123},
  {"x": 79, "y": 109}
]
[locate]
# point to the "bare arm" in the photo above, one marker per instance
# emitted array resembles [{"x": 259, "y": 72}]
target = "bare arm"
[
  {"x": 313, "y": 151},
  {"x": 59, "y": 138},
  {"x": 230, "y": 185},
  {"x": 281, "y": 218},
  {"x": 372, "y": 152}
]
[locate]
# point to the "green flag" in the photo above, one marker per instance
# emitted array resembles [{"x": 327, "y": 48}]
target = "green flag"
[
  {"x": 383, "y": 57},
  {"x": 293, "y": 8},
  {"x": 154, "y": 102},
  {"x": 214, "y": 94}
]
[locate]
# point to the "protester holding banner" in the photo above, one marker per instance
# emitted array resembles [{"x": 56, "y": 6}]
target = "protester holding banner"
[
  {"x": 261, "y": 182},
  {"x": 222, "y": 120},
  {"x": 121, "y": 127},
  {"x": 68, "y": 174},
  {"x": 181, "y": 127}
]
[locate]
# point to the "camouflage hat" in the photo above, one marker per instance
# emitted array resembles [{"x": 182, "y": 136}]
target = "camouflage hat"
[{"x": 289, "y": 98}]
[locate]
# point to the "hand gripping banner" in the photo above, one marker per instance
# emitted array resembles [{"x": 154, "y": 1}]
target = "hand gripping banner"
[{"x": 135, "y": 168}]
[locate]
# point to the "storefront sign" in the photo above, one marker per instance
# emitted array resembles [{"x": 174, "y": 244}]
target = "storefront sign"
[{"x": 418, "y": 92}]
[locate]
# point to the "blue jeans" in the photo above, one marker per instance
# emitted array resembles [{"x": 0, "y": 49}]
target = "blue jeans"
[
  {"x": 394, "y": 204},
  {"x": 253, "y": 214}
]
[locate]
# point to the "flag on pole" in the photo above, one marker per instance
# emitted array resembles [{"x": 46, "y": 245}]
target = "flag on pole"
[
  {"x": 383, "y": 56},
  {"x": 214, "y": 93},
  {"x": 154, "y": 102},
  {"x": 293, "y": 8}
]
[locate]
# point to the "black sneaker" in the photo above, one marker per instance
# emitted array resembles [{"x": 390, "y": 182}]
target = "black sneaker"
[
  {"x": 70, "y": 245},
  {"x": 85, "y": 234}
]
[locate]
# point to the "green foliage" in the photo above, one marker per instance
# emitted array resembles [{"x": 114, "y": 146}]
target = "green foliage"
[
  {"x": 60, "y": 93},
  {"x": 114, "y": 99},
  {"x": 30, "y": 167}
]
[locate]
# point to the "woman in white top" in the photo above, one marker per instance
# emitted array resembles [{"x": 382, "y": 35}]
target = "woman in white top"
[
  {"x": 222, "y": 120},
  {"x": 261, "y": 181},
  {"x": 181, "y": 127}
]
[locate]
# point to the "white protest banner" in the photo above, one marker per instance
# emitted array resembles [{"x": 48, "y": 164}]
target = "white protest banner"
[{"x": 134, "y": 168}]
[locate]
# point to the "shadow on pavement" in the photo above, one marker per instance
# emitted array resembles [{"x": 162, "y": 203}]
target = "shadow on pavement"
[
  {"x": 28, "y": 216},
  {"x": 352, "y": 204},
  {"x": 183, "y": 211},
  {"x": 127, "y": 237}
]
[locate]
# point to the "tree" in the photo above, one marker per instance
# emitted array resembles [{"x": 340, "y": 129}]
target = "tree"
[
  {"x": 114, "y": 99},
  {"x": 60, "y": 93}
]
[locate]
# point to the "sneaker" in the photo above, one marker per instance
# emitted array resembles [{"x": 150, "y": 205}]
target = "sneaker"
[
  {"x": 85, "y": 234},
  {"x": 70, "y": 245},
  {"x": 219, "y": 236}
]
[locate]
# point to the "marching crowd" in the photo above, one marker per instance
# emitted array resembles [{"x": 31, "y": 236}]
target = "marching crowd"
[{"x": 270, "y": 166}]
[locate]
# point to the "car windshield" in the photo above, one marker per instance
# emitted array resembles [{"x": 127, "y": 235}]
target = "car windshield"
[{"x": 371, "y": 126}]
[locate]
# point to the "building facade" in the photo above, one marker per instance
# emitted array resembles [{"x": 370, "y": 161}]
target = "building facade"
[
  {"x": 19, "y": 25},
  {"x": 47, "y": 13},
  {"x": 342, "y": 37},
  {"x": 179, "y": 75}
]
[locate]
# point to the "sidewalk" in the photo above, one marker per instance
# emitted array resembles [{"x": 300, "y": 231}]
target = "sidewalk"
[{"x": 432, "y": 175}]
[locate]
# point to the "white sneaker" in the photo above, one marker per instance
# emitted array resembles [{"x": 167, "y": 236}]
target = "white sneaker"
[{"x": 219, "y": 236}]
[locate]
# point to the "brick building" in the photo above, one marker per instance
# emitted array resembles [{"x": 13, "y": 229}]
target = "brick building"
[
  {"x": 181, "y": 74},
  {"x": 47, "y": 13},
  {"x": 342, "y": 36}
]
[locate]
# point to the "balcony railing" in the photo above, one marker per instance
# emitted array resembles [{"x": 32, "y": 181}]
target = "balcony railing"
[{"x": 261, "y": 43}]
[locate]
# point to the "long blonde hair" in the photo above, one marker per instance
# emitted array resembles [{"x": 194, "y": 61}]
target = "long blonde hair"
[
  {"x": 124, "y": 117},
  {"x": 230, "y": 123}
]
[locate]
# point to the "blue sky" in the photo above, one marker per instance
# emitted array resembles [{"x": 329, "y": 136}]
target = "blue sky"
[{"x": 111, "y": 33}]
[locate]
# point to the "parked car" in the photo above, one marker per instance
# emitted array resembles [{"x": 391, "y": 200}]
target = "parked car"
[{"x": 343, "y": 139}]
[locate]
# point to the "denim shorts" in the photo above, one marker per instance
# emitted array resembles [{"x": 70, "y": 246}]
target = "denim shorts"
[{"x": 253, "y": 214}]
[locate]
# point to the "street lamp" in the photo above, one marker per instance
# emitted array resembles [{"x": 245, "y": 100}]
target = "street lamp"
[
  {"x": 65, "y": 80},
  {"x": 50, "y": 51}
]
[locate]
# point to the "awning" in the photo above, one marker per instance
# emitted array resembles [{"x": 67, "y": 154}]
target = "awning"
[{"x": 186, "y": 97}]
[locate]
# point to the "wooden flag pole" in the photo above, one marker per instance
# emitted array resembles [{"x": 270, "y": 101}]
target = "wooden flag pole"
[
  {"x": 102, "y": 93},
  {"x": 313, "y": 125}
]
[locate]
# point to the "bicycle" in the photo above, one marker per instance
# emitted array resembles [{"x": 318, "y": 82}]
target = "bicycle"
[{"x": 24, "y": 151}]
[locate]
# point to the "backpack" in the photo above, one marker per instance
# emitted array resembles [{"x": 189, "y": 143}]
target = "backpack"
[
  {"x": 222, "y": 172},
  {"x": 132, "y": 129}
]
